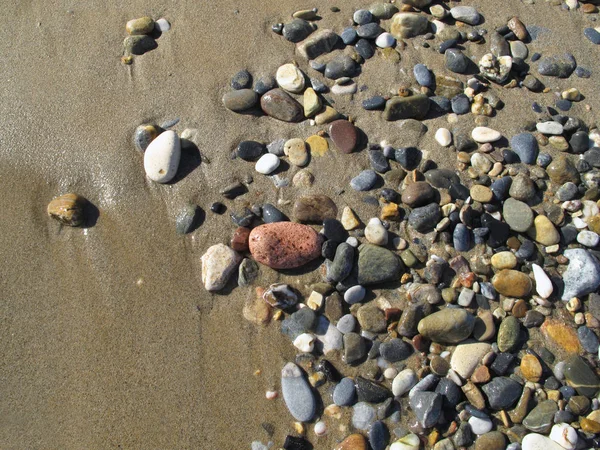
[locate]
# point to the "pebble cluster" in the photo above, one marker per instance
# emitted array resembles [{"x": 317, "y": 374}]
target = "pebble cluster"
[
  {"x": 141, "y": 37},
  {"x": 483, "y": 330}
]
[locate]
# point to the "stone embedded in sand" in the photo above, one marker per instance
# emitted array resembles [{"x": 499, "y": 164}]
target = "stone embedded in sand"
[
  {"x": 344, "y": 135},
  {"x": 278, "y": 104},
  {"x": 240, "y": 100},
  {"x": 161, "y": 159},
  {"x": 284, "y": 245},
  {"x": 411, "y": 107},
  {"x": 290, "y": 78},
  {"x": 512, "y": 283},
  {"x": 448, "y": 326},
  {"x": 218, "y": 263},
  {"x": 406, "y": 25},
  {"x": 139, "y": 44},
  {"x": 561, "y": 66},
  {"x": 314, "y": 209}
]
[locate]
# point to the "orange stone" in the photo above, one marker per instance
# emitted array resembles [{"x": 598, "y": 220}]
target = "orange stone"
[
  {"x": 531, "y": 368},
  {"x": 285, "y": 245},
  {"x": 239, "y": 241},
  {"x": 353, "y": 442},
  {"x": 481, "y": 375},
  {"x": 561, "y": 335},
  {"x": 589, "y": 426}
]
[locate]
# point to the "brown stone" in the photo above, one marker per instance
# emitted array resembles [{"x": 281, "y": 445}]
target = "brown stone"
[
  {"x": 281, "y": 106},
  {"x": 561, "y": 335},
  {"x": 353, "y": 442},
  {"x": 589, "y": 426},
  {"x": 531, "y": 368},
  {"x": 256, "y": 310},
  {"x": 588, "y": 8},
  {"x": 344, "y": 135},
  {"x": 285, "y": 245},
  {"x": 519, "y": 309},
  {"x": 481, "y": 375},
  {"x": 391, "y": 211},
  {"x": 512, "y": 283},
  {"x": 517, "y": 27},
  {"x": 562, "y": 170},
  {"x": 239, "y": 241},
  {"x": 520, "y": 411},
  {"x": 314, "y": 209},
  {"x": 417, "y": 194},
  {"x": 474, "y": 395}
]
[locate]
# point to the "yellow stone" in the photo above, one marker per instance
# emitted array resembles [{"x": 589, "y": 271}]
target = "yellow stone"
[
  {"x": 349, "y": 219},
  {"x": 531, "y": 368},
  {"x": 390, "y": 54},
  {"x": 594, "y": 415},
  {"x": 543, "y": 231},
  {"x": 594, "y": 223},
  {"x": 312, "y": 102},
  {"x": 504, "y": 260},
  {"x": 589, "y": 426},
  {"x": 327, "y": 115},
  {"x": 318, "y": 145},
  {"x": 390, "y": 211},
  {"x": 561, "y": 335}
]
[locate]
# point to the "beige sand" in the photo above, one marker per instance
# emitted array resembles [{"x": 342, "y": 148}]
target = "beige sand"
[{"x": 108, "y": 339}]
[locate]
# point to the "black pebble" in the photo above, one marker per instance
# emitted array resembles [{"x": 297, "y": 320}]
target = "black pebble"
[
  {"x": 218, "y": 208},
  {"x": 408, "y": 157},
  {"x": 241, "y": 80},
  {"x": 334, "y": 230},
  {"x": 535, "y": 57},
  {"x": 364, "y": 48},
  {"x": 272, "y": 214},
  {"x": 296, "y": 443},
  {"x": 277, "y": 28},
  {"x": 249, "y": 150},
  {"x": 374, "y": 103}
]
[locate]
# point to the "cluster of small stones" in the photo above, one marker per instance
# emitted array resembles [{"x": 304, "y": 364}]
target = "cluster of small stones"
[
  {"x": 483, "y": 329},
  {"x": 141, "y": 36}
]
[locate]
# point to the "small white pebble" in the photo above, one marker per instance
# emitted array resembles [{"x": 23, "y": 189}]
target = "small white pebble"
[
  {"x": 390, "y": 373},
  {"x": 443, "y": 137},
  {"x": 163, "y": 25},
  {"x": 320, "y": 428},
  {"x": 271, "y": 395},
  {"x": 305, "y": 342},
  {"x": 352, "y": 241}
]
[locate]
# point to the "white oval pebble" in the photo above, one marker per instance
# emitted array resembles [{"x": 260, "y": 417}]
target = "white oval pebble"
[
  {"x": 390, "y": 373},
  {"x": 267, "y": 163},
  {"x": 305, "y": 342},
  {"x": 588, "y": 238},
  {"x": 543, "y": 285},
  {"x": 443, "y": 137},
  {"x": 375, "y": 232},
  {"x": 355, "y": 294},
  {"x": 161, "y": 159},
  {"x": 534, "y": 441},
  {"x": 352, "y": 241},
  {"x": 564, "y": 435},
  {"x": 290, "y": 78},
  {"x": 163, "y": 25},
  {"x": 590, "y": 209},
  {"x": 403, "y": 382},
  {"x": 320, "y": 428},
  {"x": 485, "y": 134},
  {"x": 551, "y": 127},
  {"x": 385, "y": 40},
  {"x": 579, "y": 223},
  {"x": 344, "y": 89},
  {"x": 271, "y": 395},
  {"x": 480, "y": 426}
]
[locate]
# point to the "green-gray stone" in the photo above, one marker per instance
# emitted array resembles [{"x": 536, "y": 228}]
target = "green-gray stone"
[
  {"x": 377, "y": 265},
  {"x": 412, "y": 107},
  {"x": 518, "y": 215},
  {"x": 508, "y": 334},
  {"x": 383, "y": 10},
  {"x": 187, "y": 219},
  {"x": 408, "y": 258},
  {"x": 247, "y": 272},
  {"x": 448, "y": 326},
  {"x": 580, "y": 376},
  {"x": 540, "y": 419},
  {"x": 240, "y": 100}
]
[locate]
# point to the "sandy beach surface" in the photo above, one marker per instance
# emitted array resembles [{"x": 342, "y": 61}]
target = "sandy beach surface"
[{"x": 107, "y": 337}]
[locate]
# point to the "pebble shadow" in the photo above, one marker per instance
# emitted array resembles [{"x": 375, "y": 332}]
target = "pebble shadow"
[
  {"x": 91, "y": 214},
  {"x": 190, "y": 160}
]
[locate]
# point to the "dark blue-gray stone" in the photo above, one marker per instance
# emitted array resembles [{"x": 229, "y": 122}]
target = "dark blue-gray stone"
[
  {"x": 563, "y": 105},
  {"x": 334, "y": 230},
  {"x": 369, "y": 30},
  {"x": 561, "y": 66},
  {"x": 264, "y": 84},
  {"x": 567, "y": 191},
  {"x": 371, "y": 392},
  {"x": 365, "y": 48},
  {"x": 318, "y": 86},
  {"x": 441, "y": 178},
  {"x": 408, "y": 157},
  {"x": 526, "y": 146},
  {"x": 374, "y": 103},
  {"x": 447, "y": 44},
  {"x": 302, "y": 321},
  {"x": 272, "y": 214},
  {"x": 458, "y": 191},
  {"x": 440, "y": 105},
  {"x": 362, "y": 16},
  {"x": 589, "y": 341},
  {"x": 582, "y": 72},
  {"x": 543, "y": 160},
  {"x": 502, "y": 363},
  {"x": 427, "y": 407},
  {"x": 344, "y": 393},
  {"x": 341, "y": 66},
  {"x": 450, "y": 392},
  {"x": 187, "y": 219},
  {"x": 579, "y": 142},
  {"x": 297, "y": 30},
  {"x": 499, "y": 231},
  {"x": 592, "y": 156},
  {"x": 502, "y": 392},
  {"x": 364, "y": 181},
  {"x": 456, "y": 61},
  {"x": 241, "y": 80},
  {"x": 500, "y": 188},
  {"x": 461, "y": 238},
  {"x": 461, "y": 104},
  {"x": 395, "y": 350},
  {"x": 342, "y": 263},
  {"x": 378, "y": 161},
  {"x": 535, "y": 57},
  {"x": 349, "y": 36},
  {"x": 379, "y": 436},
  {"x": 249, "y": 150},
  {"x": 425, "y": 218},
  {"x": 592, "y": 35},
  {"x": 297, "y": 393},
  {"x": 423, "y": 75}
]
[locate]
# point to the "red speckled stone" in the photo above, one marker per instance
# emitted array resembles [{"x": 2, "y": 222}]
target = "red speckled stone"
[
  {"x": 239, "y": 241},
  {"x": 344, "y": 135},
  {"x": 285, "y": 245}
]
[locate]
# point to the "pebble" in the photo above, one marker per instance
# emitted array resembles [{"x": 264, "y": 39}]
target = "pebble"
[
  {"x": 284, "y": 245},
  {"x": 241, "y": 80},
  {"x": 403, "y": 382},
  {"x": 406, "y": 25},
  {"x": 443, "y": 136},
  {"x": 218, "y": 264},
  {"x": 349, "y": 36},
  {"x": 342, "y": 263},
  {"x": 588, "y": 238},
  {"x": 297, "y": 393},
  {"x": 375, "y": 232},
  {"x": 314, "y": 208},
  {"x": 139, "y": 44},
  {"x": 544, "y": 232},
  {"x": 312, "y": 102},
  {"x": 484, "y": 134},
  {"x": 504, "y": 260},
  {"x": 68, "y": 209},
  {"x": 247, "y": 273},
  {"x": 363, "y": 416},
  {"x": 480, "y": 426},
  {"x": 344, "y": 393},
  {"x": 344, "y": 135},
  {"x": 395, "y": 350},
  {"x": 543, "y": 285},
  {"x": 466, "y": 14},
  {"x": 369, "y": 30},
  {"x": 290, "y": 78},
  {"x": 187, "y": 219},
  {"x": 502, "y": 392},
  {"x": 541, "y": 417},
  {"x": 271, "y": 214},
  {"x": 592, "y": 35},
  {"x": 385, "y": 40},
  {"x": 449, "y": 326},
  {"x": 341, "y": 66},
  {"x": 582, "y": 275},
  {"x": 364, "y": 181},
  {"x": 424, "y": 218},
  {"x": 353, "y": 442},
  {"x": 163, "y": 25},
  {"x": 161, "y": 159},
  {"x": 512, "y": 283},
  {"x": 346, "y": 89},
  {"x": 423, "y": 75},
  {"x": 374, "y": 103},
  {"x": 267, "y": 163},
  {"x": 457, "y": 61},
  {"x": 249, "y": 150},
  {"x": 264, "y": 84},
  {"x": 377, "y": 265},
  {"x": 553, "y": 128},
  {"x": 564, "y": 435},
  {"x": 143, "y": 136},
  {"x": 526, "y": 146},
  {"x": 461, "y": 238},
  {"x": 408, "y": 442},
  {"x": 460, "y": 104},
  {"x": 534, "y": 441},
  {"x": 531, "y": 368},
  {"x": 379, "y": 436},
  {"x": 427, "y": 407},
  {"x": 561, "y": 66},
  {"x": 297, "y": 30},
  {"x": 295, "y": 149},
  {"x": 278, "y": 104},
  {"x": 467, "y": 356}
]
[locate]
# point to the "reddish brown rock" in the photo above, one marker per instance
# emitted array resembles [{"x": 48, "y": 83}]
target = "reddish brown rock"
[
  {"x": 419, "y": 193},
  {"x": 280, "y": 105},
  {"x": 353, "y": 442},
  {"x": 239, "y": 241},
  {"x": 285, "y": 245},
  {"x": 344, "y": 135},
  {"x": 314, "y": 209}
]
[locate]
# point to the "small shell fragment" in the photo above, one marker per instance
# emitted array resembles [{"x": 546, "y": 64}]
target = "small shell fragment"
[{"x": 67, "y": 209}]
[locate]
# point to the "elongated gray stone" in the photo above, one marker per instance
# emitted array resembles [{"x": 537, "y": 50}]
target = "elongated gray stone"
[{"x": 297, "y": 393}]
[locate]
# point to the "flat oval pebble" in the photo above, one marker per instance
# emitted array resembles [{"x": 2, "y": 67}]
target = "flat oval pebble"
[
  {"x": 290, "y": 78},
  {"x": 534, "y": 441},
  {"x": 355, "y": 294},
  {"x": 218, "y": 264},
  {"x": 448, "y": 326},
  {"x": 364, "y": 181},
  {"x": 295, "y": 150},
  {"x": 443, "y": 137},
  {"x": 297, "y": 393},
  {"x": 485, "y": 134},
  {"x": 240, "y": 100},
  {"x": 385, "y": 40},
  {"x": 267, "y": 163},
  {"x": 278, "y": 104},
  {"x": 592, "y": 35},
  {"x": 161, "y": 159},
  {"x": 344, "y": 135},
  {"x": 553, "y": 128},
  {"x": 512, "y": 283},
  {"x": 284, "y": 245}
]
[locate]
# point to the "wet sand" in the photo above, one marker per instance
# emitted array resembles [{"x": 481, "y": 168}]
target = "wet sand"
[{"x": 109, "y": 339}]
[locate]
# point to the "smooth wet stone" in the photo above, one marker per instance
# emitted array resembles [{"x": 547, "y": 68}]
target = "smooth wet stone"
[
  {"x": 531, "y": 368},
  {"x": 502, "y": 392},
  {"x": 480, "y": 425},
  {"x": 143, "y": 25},
  {"x": 423, "y": 75},
  {"x": 561, "y": 66},
  {"x": 443, "y": 136},
  {"x": 442, "y": 178},
  {"x": 540, "y": 418},
  {"x": 377, "y": 265},
  {"x": 427, "y": 407},
  {"x": 312, "y": 102},
  {"x": 395, "y": 350},
  {"x": 355, "y": 294},
  {"x": 267, "y": 163},
  {"x": 344, "y": 393},
  {"x": 341, "y": 66},
  {"x": 284, "y": 245},
  {"x": 139, "y": 44},
  {"x": 241, "y": 80},
  {"x": 161, "y": 159},
  {"x": 460, "y": 104},
  {"x": 364, "y": 48},
  {"x": 403, "y": 382},
  {"x": 385, "y": 40},
  {"x": 518, "y": 50},
  {"x": 543, "y": 285},
  {"x": 143, "y": 136},
  {"x": 561, "y": 170},
  {"x": 297, "y": 393},
  {"x": 383, "y": 10},
  {"x": 579, "y": 142},
  {"x": 522, "y": 188},
  {"x": 550, "y": 127},
  {"x": 375, "y": 103},
  {"x": 379, "y": 436},
  {"x": 448, "y": 326},
  {"x": 408, "y": 157},
  {"x": 461, "y": 238},
  {"x": 425, "y": 218},
  {"x": 318, "y": 43},
  {"x": 457, "y": 61},
  {"x": 249, "y": 150},
  {"x": 278, "y": 104},
  {"x": 271, "y": 214},
  {"x": 411, "y": 107},
  {"x": 580, "y": 376},
  {"x": 218, "y": 264},
  {"x": 418, "y": 194},
  {"x": 378, "y": 161},
  {"x": 240, "y": 100},
  {"x": 187, "y": 219},
  {"x": 342, "y": 263},
  {"x": 561, "y": 335},
  {"x": 534, "y": 441},
  {"x": 466, "y": 14},
  {"x": 512, "y": 283},
  {"x": 406, "y": 25},
  {"x": 297, "y": 30},
  {"x": 467, "y": 356},
  {"x": 346, "y": 324},
  {"x": 349, "y": 36},
  {"x": 592, "y": 35},
  {"x": 508, "y": 334},
  {"x": 375, "y": 232},
  {"x": 314, "y": 208},
  {"x": 344, "y": 135}
]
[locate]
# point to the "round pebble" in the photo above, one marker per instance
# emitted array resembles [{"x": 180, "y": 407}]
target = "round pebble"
[{"x": 267, "y": 163}]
